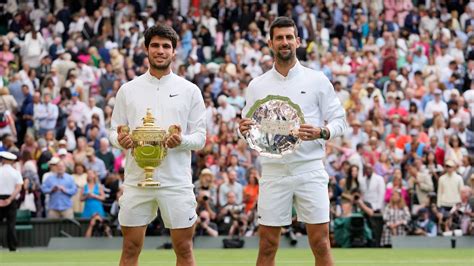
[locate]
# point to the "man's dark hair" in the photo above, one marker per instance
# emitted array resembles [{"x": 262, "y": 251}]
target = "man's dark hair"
[
  {"x": 163, "y": 31},
  {"x": 283, "y": 22}
]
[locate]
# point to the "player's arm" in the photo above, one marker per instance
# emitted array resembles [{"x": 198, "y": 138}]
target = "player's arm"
[
  {"x": 119, "y": 118},
  {"x": 245, "y": 123},
  {"x": 195, "y": 136},
  {"x": 332, "y": 111}
]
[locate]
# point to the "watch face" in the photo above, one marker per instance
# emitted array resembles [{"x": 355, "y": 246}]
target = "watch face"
[{"x": 324, "y": 133}]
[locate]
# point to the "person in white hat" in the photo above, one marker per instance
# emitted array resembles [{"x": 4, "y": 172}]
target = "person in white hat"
[
  {"x": 449, "y": 187},
  {"x": 10, "y": 185},
  {"x": 52, "y": 165},
  {"x": 227, "y": 111}
]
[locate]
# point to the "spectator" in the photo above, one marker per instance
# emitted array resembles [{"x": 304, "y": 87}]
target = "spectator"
[
  {"x": 468, "y": 165},
  {"x": 234, "y": 166},
  {"x": 449, "y": 187},
  {"x": 414, "y": 149},
  {"x": 232, "y": 218},
  {"x": 436, "y": 106},
  {"x": 461, "y": 214},
  {"x": 106, "y": 155},
  {"x": 351, "y": 181},
  {"x": 70, "y": 134},
  {"x": 96, "y": 164},
  {"x": 372, "y": 187},
  {"x": 455, "y": 150},
  {"x": 78, "y": 110},
  {"x": 94, "y": 110},
  {"x": 396, "y": 217},
  {"x": 7, "y": 101},
  {"x": 79, "y": 153},
  {"x": 80, "y": 179},
  {"x": 354, "y": 207},
  {"x": 251, "y": 190},
  {"x": 439, "y": 153},
  {"x": 243, "y": 154},
  {"x": 66, "y": 157},
  {"x": 383, "y": 167},
  {"x": 205, "y": 227},
  {"x": 356, "y": 135},
  {"x": 98, "y": 227},
  {"x": 93, "y": 195},
  {"x": 10, "y": 185},
  {"x": 225, "y": 109},
  {"x": 206, "y": 182},
  {"x": 420, "y": 179},
  {"x": 233, "y": 186},
  {"x": 424, "y": 226},
  {"x": 46, "y": 116},
  {"x": 61, "y": 187},
  {"x": 396, "y": 185}
]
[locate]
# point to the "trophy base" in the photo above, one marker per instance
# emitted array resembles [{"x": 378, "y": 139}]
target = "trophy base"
[{"x": 145, "y": 183}]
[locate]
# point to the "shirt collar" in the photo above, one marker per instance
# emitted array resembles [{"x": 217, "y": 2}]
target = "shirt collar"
[
  {"x": 156, "y": 81},
  {"x": 294, "y": 71}
]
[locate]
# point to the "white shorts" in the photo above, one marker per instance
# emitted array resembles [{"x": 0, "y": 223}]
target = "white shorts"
[
  {"x": 308, "y": 192},
  {"x": 139, "y": 206}
]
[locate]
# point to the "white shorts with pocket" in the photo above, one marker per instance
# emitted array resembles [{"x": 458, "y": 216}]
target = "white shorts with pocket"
[
  {"x": 308, "y": 192},
  {"x": 139, "y": 206}
]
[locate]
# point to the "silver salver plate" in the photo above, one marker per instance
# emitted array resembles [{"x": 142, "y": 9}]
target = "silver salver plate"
[{"x": 276, "y": 123}]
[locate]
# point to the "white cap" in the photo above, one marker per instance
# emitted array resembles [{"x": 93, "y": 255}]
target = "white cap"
[
  {"x": 267, "y": 58},
  {"x": 8, "y": 155},
  {"x": 62, "y": 151},
  {"x": 54, "y": 161}
]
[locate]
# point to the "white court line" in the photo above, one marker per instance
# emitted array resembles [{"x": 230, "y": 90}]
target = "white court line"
[{"x": 251, "y": 262}]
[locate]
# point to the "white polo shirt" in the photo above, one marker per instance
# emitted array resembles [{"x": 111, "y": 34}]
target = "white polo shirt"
[
  {"x": 315, "y": 95},
  {"x": 9, "y": 178},
  {"x": 173, "y": 100}
]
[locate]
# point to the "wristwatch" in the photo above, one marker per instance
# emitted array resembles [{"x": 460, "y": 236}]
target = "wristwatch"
[{"x": 324, "y": 133}]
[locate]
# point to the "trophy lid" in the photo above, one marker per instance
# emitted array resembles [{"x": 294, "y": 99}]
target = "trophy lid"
[{"x": 149, "y": 124}]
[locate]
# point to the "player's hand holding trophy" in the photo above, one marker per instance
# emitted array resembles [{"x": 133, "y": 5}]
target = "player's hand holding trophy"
[{"x": 149, "y": 146}]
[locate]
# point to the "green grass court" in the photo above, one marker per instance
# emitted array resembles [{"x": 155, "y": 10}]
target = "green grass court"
[{"x": 285, "y": 257}]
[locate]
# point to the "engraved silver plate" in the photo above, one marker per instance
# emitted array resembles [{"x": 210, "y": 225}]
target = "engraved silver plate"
[{"x": 277, "y": 120}]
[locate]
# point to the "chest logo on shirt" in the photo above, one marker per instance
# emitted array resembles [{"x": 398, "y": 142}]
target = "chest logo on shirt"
[{"x": 173, "y": 95}]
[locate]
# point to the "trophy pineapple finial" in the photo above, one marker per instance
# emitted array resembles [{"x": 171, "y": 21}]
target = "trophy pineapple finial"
[{"x": 148, "y": 120}]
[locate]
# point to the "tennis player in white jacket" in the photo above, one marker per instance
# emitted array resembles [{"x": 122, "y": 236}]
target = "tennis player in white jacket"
[
  {"x": 299, "y": 178},
  {"x": 173, "y": 101}
]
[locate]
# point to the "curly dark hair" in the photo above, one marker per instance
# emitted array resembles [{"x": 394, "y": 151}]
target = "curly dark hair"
[{"x": 163, "y": 31}]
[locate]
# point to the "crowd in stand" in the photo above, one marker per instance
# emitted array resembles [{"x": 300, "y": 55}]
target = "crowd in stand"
[{"x": 402, "y": 69}]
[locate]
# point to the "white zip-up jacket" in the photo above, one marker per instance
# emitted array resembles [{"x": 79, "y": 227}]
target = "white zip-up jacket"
[
  {"x": 315, "y": 95},
  {"x": 173, "y": 100}
]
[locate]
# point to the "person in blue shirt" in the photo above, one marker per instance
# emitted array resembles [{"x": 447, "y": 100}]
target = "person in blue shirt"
[
  {"x": 61, "y": 187},
  {"x": 414, "y": 149},
  {"x": 93, "y": 195}
]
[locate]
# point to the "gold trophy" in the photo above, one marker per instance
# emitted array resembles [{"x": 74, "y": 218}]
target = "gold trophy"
[{"x": 149, "y": 148}]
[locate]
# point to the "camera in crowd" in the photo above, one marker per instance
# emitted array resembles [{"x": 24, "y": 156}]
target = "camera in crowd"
[
  {"x": 289, "y": 232},
  {"x": 236, "y": 209},
  {"x": 236, "y": 213},
  {"x": 100, "y": 227}
]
